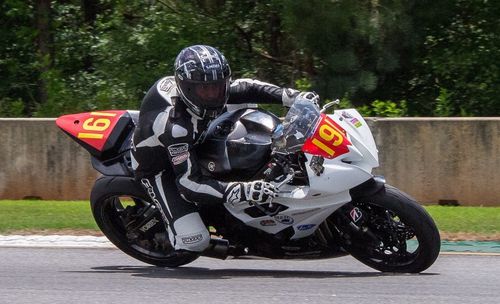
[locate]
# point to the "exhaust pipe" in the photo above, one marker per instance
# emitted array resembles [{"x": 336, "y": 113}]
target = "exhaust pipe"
[{"x": 218, "y": 248}]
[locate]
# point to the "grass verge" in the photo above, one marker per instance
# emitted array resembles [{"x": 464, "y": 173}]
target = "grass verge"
[
  {"x": 74, "y": 217},
  {"x": 467, "y": 223},
  {"x": 24, "y": 216}
]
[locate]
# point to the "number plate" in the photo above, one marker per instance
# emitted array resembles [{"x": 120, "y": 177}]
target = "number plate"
[
  {"x": 329, "y": 139},
  {"x": 93, "y": 128}
]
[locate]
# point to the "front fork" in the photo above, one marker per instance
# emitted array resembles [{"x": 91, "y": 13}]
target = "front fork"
[{"x": 351, "y": 220}]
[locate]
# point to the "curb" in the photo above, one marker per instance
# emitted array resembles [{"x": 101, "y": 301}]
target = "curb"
[{"x": 70, "y": 241}]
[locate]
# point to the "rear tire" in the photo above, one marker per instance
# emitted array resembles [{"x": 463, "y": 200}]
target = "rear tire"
[
  {"x": 108, "y": 207},
  {"x": 400, "y": 236}
]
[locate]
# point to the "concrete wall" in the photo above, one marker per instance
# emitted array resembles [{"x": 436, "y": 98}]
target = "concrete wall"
[
  {"x": 431, "y": 159},
  {"x": 38, "y": 160},
  {"x": 441, "y": 158}
]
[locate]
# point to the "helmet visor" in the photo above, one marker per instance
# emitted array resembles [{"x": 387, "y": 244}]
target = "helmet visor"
[{"x": 208, "y": 95}]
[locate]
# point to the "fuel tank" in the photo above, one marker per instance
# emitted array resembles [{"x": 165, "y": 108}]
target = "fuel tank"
[{"x": 238, "y": 144}]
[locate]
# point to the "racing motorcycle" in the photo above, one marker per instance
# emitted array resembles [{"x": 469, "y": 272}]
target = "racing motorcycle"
[{"x": 329, "y": 203}]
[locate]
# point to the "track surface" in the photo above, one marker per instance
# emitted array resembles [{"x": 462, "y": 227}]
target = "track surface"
[{"x": 58, "y": 275}]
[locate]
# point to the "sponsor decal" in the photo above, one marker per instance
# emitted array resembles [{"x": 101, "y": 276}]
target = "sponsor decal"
[
  {"x": 235, "y": 195},
  {"x": 346, "y": 115},
  {"x": 149, "y": 225},
  {"x": 192, "y": 239},
  {"x": 355, "y": 214},
  {"x": 305, "y": 227},
  {"x": 177, "y": 149},
  {"x": 211, "y": 166},
  {"x": 353, "y": 120},
  {"x": 267, "y": 223},
  {"x": 179, "y": 159},
  {"x": 152, "y": 195},
  {"x": 212, "y": 66},
  {"x": 284, "y": 219},
  {"x": 166, "y": 85},
  {"x": 356, "y": 122}
]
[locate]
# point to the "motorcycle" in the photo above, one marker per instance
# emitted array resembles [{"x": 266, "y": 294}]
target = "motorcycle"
[{"x": 329, "y": 202}]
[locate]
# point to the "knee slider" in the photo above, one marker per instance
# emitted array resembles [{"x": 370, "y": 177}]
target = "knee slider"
[{"x": 191, "y": 233}]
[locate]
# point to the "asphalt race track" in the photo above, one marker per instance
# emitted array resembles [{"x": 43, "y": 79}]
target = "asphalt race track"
[{"x": 62, "y": 275}]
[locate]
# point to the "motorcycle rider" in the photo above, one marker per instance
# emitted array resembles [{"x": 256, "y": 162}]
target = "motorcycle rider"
[{"x": 173, "y": 117}]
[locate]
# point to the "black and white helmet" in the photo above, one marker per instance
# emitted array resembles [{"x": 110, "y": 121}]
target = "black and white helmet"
[{"x": 202, "y": 75}]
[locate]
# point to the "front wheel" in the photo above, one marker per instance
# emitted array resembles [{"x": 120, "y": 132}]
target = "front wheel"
[
  {"x": 123, "y": 212},
  {"x": 388, "y": 231}
]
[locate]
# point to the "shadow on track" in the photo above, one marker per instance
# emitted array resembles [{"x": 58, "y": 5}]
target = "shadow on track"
[{"x": 199, "y": 273}]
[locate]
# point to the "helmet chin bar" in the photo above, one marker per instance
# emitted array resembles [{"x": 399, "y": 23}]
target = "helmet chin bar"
[
  {"x": 196, "y": 111},
  {"x": 192, "y": 108},
  {"x": 202, "y": 113}
]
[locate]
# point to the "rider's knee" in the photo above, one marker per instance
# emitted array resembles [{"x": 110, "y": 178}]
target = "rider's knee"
[{"x": 191, "y": 233}]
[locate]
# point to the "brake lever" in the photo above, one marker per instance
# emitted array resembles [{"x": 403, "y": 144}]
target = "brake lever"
[{"x": 288, "y": 178}]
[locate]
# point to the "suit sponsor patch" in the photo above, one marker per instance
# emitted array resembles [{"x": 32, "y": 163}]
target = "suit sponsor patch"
[
  {"x": 192, "y": 239},
  {"x": 166, "y": 85},
  {"x": 178, "y": 149},
  {"x": 179, "y": 159}
]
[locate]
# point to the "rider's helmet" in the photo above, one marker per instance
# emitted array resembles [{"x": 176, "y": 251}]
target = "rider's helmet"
[{"x": 202, "y": 75}]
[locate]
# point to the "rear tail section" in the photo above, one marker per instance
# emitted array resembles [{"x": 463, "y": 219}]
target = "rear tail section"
[
  {"x": 106, "y": 135},
  {"x": 101, "y": 133}
]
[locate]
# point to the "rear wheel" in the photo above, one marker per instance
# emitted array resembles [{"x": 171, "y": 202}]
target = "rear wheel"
[
  {"x": 388, "y": 231},
  {"x": 123, "y": 212}
]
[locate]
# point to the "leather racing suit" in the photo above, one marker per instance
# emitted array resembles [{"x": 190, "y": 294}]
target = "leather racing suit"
[{"x": 166, "y": 164}]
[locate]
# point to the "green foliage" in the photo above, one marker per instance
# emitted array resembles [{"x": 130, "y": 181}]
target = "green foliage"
[
  {"x": 11, "y": 107},
  {"x": 444, "y": 106},
  {"x": 17, "y": 60},
  {"x": 303, "y": 84},
  {"x": 351, "y": 45},
  {"x": 440, "y": 56},
  {"x": 384, "y": 109},
  {"x": 460, "y": 65}
]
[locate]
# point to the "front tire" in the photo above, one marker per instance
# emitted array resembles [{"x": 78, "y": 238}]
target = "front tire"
[
  {"x": 393, "y": 234},
  {"x": 114, "y": 200}
]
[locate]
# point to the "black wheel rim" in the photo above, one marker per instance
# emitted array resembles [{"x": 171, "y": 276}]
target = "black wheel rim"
[
  {"x": 393, "y": 241},
  {"x": 154, "y": 244}
]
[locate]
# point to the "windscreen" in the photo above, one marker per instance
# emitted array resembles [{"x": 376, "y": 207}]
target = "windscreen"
[{"x": 298, "y": 125}]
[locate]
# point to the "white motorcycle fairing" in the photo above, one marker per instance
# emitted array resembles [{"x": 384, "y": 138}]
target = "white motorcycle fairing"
[{"x": 308, "y": 206}]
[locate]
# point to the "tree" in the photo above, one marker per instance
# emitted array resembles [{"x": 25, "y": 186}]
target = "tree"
[
  {"x": 441, "y": 57},
  {"x": 461, "y": 61},
  {"x": 18, "y": 68}
]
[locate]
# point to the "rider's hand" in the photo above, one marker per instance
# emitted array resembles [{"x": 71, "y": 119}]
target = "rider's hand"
[
  {"x": 256, "y": 191},
  {"x": 310, "y": 96},
  {"x": 290, "y": 95}
]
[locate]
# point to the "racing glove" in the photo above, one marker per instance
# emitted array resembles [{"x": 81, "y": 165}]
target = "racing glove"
[
  {"x": 256, "y": 191},
  {"x": 310, "y": 96},
  {"x": 290, "y": 95}
]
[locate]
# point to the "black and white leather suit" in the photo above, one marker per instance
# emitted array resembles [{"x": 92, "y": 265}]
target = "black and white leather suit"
[{"x": 166, "y": 164}]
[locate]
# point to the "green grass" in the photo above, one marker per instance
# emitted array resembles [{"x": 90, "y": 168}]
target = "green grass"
[
  {"x": 482, "y": 220},
  {"x": 45, "y": 215},
  {"x": 54, "y": 215}
]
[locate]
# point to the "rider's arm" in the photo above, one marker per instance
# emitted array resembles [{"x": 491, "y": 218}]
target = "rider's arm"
[{"x": 253, "y": 91}]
